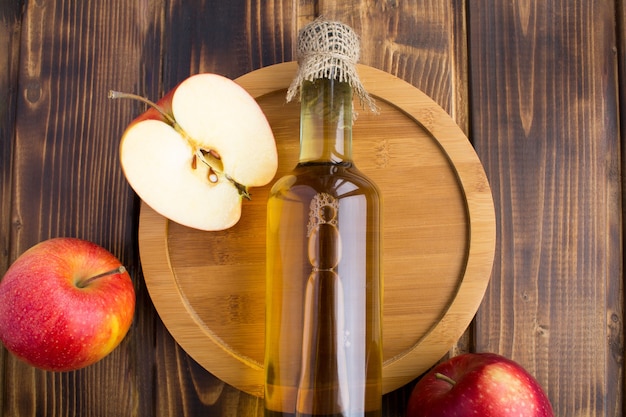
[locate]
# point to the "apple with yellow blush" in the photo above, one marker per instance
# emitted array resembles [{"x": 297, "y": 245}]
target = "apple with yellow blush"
[
  {"x": 478, "y": 384},
  {"x": 65, "y": 303}
]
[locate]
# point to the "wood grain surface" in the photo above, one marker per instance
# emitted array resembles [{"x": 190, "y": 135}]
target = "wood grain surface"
[
  {"x": 438, "y": 238},
  {"x": 536, "y": 86},
  {"x": 556, "y": 294}
]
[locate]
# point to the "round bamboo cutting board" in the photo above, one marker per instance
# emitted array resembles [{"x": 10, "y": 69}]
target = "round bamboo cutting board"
[{"x": 439, "y": 239}]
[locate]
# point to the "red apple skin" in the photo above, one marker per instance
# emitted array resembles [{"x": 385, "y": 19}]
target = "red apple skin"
[
  {"x": 487, "y": 385},
  {"x": 165, "y": 104},
  {"x": 48, "y": 320}
]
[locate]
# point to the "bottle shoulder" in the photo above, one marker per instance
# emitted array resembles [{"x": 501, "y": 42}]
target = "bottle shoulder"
[
  {"x": 344, "y": 170},
  {"x": 339, "y": 180}
]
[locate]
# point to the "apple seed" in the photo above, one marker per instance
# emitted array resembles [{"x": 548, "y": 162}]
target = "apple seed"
[{"x": 212, "y": 175}]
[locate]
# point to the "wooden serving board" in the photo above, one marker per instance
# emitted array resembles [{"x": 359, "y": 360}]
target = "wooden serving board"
[{"x": 439, "y": 239}]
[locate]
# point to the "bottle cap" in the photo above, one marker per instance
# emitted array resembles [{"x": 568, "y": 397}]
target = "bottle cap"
[{"x": 328, "y": 49}]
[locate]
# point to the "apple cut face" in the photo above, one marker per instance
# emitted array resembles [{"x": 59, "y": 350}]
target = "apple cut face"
[
  {"x": 162, "y": 175},
  {"x": 195, "y": 165},
  {"x": 236, "y": 128}
]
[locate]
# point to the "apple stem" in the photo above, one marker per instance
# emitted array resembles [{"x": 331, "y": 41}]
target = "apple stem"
[
  {"x": 118, "y": 94},
  {"x": 445, "y": 378},
  {"x": 243, "y": 190},
  {"x": 119, "y": 270}
]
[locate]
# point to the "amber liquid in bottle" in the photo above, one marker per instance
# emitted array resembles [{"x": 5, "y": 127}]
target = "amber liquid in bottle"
[{"x": 324, "y": 284}]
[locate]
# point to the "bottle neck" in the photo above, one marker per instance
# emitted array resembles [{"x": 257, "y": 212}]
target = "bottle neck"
[{"x": 325, "y": 121}]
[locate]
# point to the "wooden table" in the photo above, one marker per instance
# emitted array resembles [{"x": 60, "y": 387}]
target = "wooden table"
[{"x": 535, "y": 86}]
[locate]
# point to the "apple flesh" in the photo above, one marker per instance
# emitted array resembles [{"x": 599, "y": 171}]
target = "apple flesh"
[
  {"x": 480, "y": 384},
  {"x": 65, "y": 304},
  {"x": 193, "y": 155}
]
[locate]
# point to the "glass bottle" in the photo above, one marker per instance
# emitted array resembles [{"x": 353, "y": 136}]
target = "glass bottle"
[{"x": 324, "y": 275}]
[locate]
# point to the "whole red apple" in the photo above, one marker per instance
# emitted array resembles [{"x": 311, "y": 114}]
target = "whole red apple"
[
  {"x": 478, "y": 384},
  {"x": 65, "y": 303}
]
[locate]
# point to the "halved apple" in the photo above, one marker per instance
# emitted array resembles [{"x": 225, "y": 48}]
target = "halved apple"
[{"x": 193, "y": 155}]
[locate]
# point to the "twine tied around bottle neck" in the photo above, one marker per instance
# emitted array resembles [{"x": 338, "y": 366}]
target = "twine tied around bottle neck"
[{"x": 328, "y": 49}]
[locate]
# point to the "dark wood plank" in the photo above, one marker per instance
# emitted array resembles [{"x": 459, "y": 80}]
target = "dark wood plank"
[
  {"x": 420, "y": 42},
  {"x": 617, "y": 287},
  {"x": 10, "y": 30},
  {"x": 227, "y": 38},
  {"x": 544, "y": 121},
  {"x": 67, "y": 182}
]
